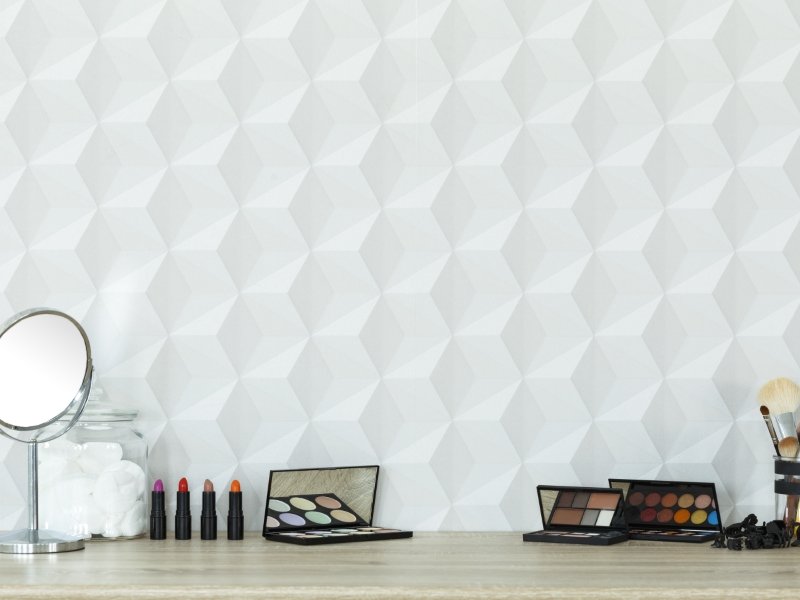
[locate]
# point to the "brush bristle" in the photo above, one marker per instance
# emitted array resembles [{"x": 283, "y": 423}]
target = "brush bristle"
[
  {"x": 780, "y": 396},
  {"x": 788, "y": 447}
]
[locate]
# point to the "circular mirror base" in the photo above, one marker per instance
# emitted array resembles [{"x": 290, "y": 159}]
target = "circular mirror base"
[{"x": 38, "y": 541}]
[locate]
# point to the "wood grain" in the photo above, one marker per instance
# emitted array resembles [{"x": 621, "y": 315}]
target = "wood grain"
[{"x": 431, "y": 565}]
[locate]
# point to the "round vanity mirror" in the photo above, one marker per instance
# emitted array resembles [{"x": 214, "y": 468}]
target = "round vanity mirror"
[
  {"x": 43, "y": 365},
  {"x": 45, "y": 377}
]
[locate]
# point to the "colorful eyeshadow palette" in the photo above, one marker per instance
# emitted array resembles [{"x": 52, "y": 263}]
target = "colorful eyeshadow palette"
[
  {"x": 324, "y": 517},
  {"x": 579, "y": 515},
  {"x": 670, "y": 511}
]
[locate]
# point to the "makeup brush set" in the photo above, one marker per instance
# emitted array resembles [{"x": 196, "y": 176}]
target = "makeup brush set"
[{"x": 779, "y": 401}]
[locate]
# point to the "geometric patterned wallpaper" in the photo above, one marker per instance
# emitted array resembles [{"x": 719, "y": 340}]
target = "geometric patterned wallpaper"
[{"x": 486, "y": 244}]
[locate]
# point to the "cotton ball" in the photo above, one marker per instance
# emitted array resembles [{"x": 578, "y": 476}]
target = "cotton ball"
[
  {"x": 96, "y": 456},
  {"x": 115, "y": 491},
  {"x": 135, "y": 471},
  {"x": 133, "y": 523}
]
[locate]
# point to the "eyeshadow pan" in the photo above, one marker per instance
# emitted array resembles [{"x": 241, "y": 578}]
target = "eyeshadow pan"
[
  {"x": 302, "y": 503},
  {"x": 681, "y": 516},
  {"x": 318, "y": 517},
  {"x": 566, "y": 516},
  {"x": 665, "y": 515},
  {"x": 648, "y": 514},
  {"x": 699, "y": 517},
  {"x": 292, "y": 519},
  {"x": 328, "y": 502},
  {"x": 686, "y": 500},
  {"x": 343, "y": 516},
  {"x": 565, "y": 499},
  {"x": 713, "y": 518},
  {"x": 604, "y": 518},
  {"x": 703, "y": 501},
  {"x": 581, "y": 500},
  {"x": 669, "y": 500},
  {"x": 603, "y": 501},
  {"x": 273, "y": 522},
  {"x": 590, "y": 517},
  {"x": 279, "y": 506},
  {"x": 652, "y": 499},
  {"x": 636, "y": 498}
]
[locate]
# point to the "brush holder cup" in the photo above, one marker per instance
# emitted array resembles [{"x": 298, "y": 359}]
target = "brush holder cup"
[{"x": 787, "y": 490}]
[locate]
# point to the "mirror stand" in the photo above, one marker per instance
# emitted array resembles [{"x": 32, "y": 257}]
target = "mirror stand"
[
  {"x": 34, "y": 540},
  {"x": 46, "y": 375}
]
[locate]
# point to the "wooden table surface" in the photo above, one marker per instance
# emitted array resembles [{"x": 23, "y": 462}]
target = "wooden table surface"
[{"x": 430, "y": 565}]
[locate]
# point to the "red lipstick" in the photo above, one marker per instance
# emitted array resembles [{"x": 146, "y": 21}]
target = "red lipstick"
[
  {"x": 235, "y": 515},
  {"x": 208, "y": 518},
  {"x": 183, "y": 515}
]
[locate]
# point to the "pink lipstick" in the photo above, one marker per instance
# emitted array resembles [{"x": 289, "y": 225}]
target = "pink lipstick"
[{"x": 158, "y": 514}]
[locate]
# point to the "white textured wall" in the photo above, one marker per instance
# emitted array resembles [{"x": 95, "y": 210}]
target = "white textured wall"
[{"x": 485, "y": 244}]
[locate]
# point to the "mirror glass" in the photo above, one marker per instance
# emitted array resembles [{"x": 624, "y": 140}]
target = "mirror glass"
[
  {"x": 547, "y": 500},
  {"x": 44, "y": 360},
  {"x": 348, "y": 490}
]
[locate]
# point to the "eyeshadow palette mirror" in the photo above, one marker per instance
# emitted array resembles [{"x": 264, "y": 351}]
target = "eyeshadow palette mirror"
[
  {"x": 670, "y": 511},
  {"x": 580, "y": 515},
  {"x": 324, "y": 506}
]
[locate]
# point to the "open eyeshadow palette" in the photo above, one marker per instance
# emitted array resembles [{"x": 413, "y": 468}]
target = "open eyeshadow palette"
[
  {"x": 670, "y": 511},
  {"x": 339, "y": 509},
  {"x": 580, "y": 515}
]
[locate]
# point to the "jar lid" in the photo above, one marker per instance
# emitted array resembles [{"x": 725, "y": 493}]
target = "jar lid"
[
  {"x": 100, "y": 410},
  {"x": 103, "y": 411}
]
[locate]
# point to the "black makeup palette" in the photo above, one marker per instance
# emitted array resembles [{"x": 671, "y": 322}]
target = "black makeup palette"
[
  {"x": 338, "y": 511},
  {"x": 580, "y": 515},
  {"x": 670, "y": 511}
]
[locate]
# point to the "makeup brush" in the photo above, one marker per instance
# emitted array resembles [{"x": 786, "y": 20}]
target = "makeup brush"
[
  {"x": 770, "y": 428},
  {"x": 788, "y": 447},
  {"x": 781, "y": 396}
]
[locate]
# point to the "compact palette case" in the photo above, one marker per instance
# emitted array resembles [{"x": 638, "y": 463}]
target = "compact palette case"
[
  {"x": 670, "y": 511},
  {"x": 324, "y": 506},
  {"x": 580, "y": 515}
]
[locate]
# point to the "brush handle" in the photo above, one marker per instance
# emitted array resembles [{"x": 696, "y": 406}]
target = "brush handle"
[
  {"x": 771, "y": 430},
  {"x": 791, "y": 512}
]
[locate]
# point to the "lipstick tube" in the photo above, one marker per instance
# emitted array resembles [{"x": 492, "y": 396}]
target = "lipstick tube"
[
  {"x": 183, "y": 515},
  {"x": 235, "y": 514},
  {"x": 208, "y": 518},
  {"x": 158, "y": 514}
]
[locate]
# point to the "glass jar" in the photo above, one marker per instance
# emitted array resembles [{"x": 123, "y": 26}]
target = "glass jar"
[{"x": 92, "y": 480}]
